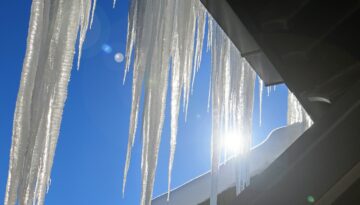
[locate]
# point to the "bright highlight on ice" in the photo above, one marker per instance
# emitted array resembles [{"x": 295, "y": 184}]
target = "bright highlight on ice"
[{"x": 232, "y": 144}]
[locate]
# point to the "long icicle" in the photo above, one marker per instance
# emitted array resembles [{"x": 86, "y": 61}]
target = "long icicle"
[
  {"x": 92, "y": 13},
  {"x": 232, "y": 105},
  {"x": 161, "y": 34},
  {"x": 171, "y": 38},
  {"x": 180, "y": 21},
  {"x": 261, "y": 91},
  {"x": 200, "y": 32},
  {"x": 53, "y": 30},
  {"x": 134, "y": 35}
]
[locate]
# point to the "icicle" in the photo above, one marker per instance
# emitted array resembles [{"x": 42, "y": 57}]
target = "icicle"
[
  {"x": 201, "y": 17},
  {"x": 138, "y": 73},
  {"x": 52, "y": 35},
  {"x": 114, "y": 3},
  {"x": 219, "y": 57},
  {"x": 246, "y": 103},
  {"x": 261, "y": 88},
  {"x": 165, "y": 31},
  {"x": 210, "y": 33},
  {"x": 161, "y": 31},
  {"x": 232, "y": 104},
  {"x": 296, "y": 113},
  {"x": 131, "y": 32},
  {"x": 85, "y": 8},
  {"x": 186, "y": 21},
  {"x": 209, "y": 96},
  {"x": 92, "y": 13},
  {"x": 208, "y": 47}
]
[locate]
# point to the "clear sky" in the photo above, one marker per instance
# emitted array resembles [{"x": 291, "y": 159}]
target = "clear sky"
[{"x": 89, "y": 160}]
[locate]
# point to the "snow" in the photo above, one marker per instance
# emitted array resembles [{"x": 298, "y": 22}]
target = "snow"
[
  {"x": 53, "y": 30},
  {"x": 260, "y": 157}
]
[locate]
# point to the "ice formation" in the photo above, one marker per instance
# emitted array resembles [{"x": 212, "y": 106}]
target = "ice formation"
[
  {"x": 168, "y": 31},
  {"x": 197, "y": 190},
  {"x": 296, "y": 113},
  {"x": 261, "y": 90},
  {"x": 232, "y": 94},
  {"x": 52, "y": 34},
  {"x": 163, "y": 36},
  {"x": 162, "y": 33}
]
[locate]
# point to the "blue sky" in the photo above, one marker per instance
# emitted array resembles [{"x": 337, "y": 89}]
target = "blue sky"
[{"x": 89, "y": 160}]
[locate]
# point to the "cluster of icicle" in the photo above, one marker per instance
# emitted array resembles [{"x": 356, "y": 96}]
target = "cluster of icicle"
[
  {"x": 162, "y": 34},
  {"x": 296, "y": 113},
  {"x": 167, "y": 36},
  {"x": 232, "y": 97},
  {"x": 53, "y": 30}
]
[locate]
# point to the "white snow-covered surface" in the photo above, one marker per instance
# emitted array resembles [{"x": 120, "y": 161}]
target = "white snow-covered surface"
[{"x": 261, "y": 156}]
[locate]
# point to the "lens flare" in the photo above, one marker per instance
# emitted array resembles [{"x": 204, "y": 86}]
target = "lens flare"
[
  {"x": 106, "y": 48},
  {"x": 232, "y": 143},
  {"x": 119, "y": 57}
]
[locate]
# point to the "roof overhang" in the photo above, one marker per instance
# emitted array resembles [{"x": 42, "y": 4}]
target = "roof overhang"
[
  {"x": 312, "y": 46},
  {"x": 225, "y": 16}
]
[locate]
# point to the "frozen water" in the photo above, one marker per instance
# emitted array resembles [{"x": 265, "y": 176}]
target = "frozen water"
[
  {"x": 52, "y": 34},
  {"x": 168, "y": 31},
  {"x": 296, "y": 113},
  {"x": 261, "y": 90},
  {"x": 166, "y": 38},
  {"x": 180, "y": 25}
]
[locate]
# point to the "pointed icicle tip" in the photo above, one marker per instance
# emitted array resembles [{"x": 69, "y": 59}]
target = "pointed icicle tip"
[{"x": 92, "y": 13}]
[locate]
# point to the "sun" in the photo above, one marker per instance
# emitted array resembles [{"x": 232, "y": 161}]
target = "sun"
[{"x": 232, "y": 143}]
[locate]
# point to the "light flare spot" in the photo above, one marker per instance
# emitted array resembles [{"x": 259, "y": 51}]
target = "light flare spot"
[
  {"x": 232, "y": 143},
  {"x": 106, "y": 48},
  {"x": 119, "y": 57}
]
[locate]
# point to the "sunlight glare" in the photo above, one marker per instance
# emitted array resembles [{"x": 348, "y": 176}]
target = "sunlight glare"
[{"x": 232, "y": 143}]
